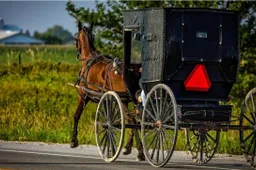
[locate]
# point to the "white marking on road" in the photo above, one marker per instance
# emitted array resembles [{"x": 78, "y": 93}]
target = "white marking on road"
[
  {"x": 50, "y": 154},
  {"x": 95, "y": 157}
]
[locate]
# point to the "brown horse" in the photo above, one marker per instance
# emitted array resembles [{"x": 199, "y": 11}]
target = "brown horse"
[{"x": 94, "y": 76}]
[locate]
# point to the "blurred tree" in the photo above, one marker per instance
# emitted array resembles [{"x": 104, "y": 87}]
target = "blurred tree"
[
  {"x": 47, "y": 38},
  {"x": 61, "y": 33},
  {"x": 55, "y": 35}
]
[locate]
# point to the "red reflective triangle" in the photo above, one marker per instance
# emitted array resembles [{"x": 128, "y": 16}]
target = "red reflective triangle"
[{"x": 198, "y": 79}]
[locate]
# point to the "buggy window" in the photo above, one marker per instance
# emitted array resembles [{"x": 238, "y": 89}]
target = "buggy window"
[{"x": 136, "y": 48}]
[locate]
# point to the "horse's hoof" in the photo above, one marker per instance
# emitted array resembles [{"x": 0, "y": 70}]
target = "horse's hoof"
[
  {"x": 140, "y": 156},
  {"x": 74, "y": 144},
  {"x": 127, "y": 151}
]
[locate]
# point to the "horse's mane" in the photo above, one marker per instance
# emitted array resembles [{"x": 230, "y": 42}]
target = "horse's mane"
[{"x": 90, "y": 38}]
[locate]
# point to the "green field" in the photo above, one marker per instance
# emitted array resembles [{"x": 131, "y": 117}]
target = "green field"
[{"x": 36, "y": 104}]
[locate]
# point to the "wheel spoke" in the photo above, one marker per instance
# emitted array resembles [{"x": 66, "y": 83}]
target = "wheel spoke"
[
  {"x": 152, "y": 106},
  {"x": 164, "y": 106},
  {"x": 151, "y": 142},
  {"x": 168, "y": 118},
  {"x": 157, "y": 105},
  {"x": 100, "y": 123},
  {"x": 150, "y": 114},
  {"x": 169, "y": 126},
  {"x": 248, "y": 137},
  {"x": 167, "y": 110},
  {"x": 250, "y": 145},
  {"x": 214, "y": 140},
  {"x": 101, "y": 132},
  {"x": 195, "y": 143},
  {"x": 154, "y": 148},
  {"x": 248, "y": 119},
  {"x": 158, "y": 147},
  {"x": 115, "y": 128},
  {"x": 113, "y": 143},
  {"x": 103, "y": 138},
  {"x": 105, "y": 143},
  {"x": 107, "y": 107},
  {"x": 209, "y": 144},
  {"x": 117, "y": 121},
  {"x": 201, "y": 147},
  {"x": 115, "y": 136},
  {"x": 146, "y": 135},
  {"x": 114, "y": 118},
  {"x": 162, "y": 145},
  {"x": 161, "y": 104},
  {"x": 167, "y": 135},
  {"x": 254, "y": 149},
  {"x": 192, "y": 137},
  {"x": 108, "y": 147},
  {"x": 102, "y": 115}
]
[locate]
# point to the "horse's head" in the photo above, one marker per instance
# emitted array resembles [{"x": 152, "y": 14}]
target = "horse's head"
[{"x": 84, "y": 40}]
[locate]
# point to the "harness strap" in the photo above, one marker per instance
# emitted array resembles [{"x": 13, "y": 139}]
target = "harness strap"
[{"x": 83, "y": 75}]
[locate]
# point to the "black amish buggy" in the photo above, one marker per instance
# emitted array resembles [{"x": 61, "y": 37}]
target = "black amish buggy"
[{"x": 189, "y": 60}]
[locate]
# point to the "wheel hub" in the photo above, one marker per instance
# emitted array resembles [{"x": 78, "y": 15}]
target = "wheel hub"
[{"x": 158, "y": 124}]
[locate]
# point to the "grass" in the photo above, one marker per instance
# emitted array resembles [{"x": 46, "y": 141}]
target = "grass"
[
  {"x": 50, "y": 53},
  {"x": 36, "y": 104}
]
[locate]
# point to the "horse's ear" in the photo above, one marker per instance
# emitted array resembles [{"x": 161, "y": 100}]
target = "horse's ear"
[
  {"x": 91, "y": 26},
  {"x": 79, "y": 26}
]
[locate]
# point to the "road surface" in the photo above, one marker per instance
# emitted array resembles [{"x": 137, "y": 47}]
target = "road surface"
[{"x": 43, "y": 156}]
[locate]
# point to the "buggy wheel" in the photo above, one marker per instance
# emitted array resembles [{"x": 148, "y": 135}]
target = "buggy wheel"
[
  {"x": 159, "y": 125},
  {"x": 248, "y": 127},
  {"x": 109, "y": 126},
  {"x": 202, "y": 144}
]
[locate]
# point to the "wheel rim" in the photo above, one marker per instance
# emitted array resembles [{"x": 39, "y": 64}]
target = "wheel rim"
[
  {"x": 109, "y": 126},
  {"x": 202, "y": 144},
  {"x": 159, "y": 125},
  {"x": 248, "y": 135}
]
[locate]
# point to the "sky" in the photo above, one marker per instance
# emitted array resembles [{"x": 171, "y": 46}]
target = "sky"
[{"x": 40, "y": 15}]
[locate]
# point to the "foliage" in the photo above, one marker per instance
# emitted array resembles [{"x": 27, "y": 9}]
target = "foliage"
[
  {"x": 55, "y": 35},
  {"x": 48, "y": 39}
]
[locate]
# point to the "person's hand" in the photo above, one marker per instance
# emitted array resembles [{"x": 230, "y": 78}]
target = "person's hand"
[{"x": 140, "y": 70}]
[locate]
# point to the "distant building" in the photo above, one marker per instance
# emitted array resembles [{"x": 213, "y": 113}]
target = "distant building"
[{"x": 12, "y": 34}]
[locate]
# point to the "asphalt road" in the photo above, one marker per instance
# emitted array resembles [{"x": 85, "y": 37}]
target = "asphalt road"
[{"x": 42, "y": 156}]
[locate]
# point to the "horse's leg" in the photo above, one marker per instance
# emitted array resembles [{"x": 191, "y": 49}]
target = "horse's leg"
[
  {"x": 140, "y": 156},
  {"x": 129, "y": 144},
  {"x": 81, "y": 105}
]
